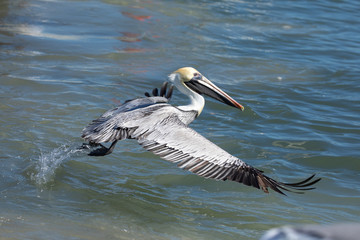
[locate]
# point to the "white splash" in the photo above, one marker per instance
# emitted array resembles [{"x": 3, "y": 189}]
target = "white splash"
[{"x": 48, "y": 163}]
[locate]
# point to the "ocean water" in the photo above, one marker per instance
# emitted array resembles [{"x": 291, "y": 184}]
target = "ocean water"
[{"x": 293, "y": 65}]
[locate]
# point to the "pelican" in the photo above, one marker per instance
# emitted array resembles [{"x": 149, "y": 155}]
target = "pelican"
[{"x": 163, "y": 129}]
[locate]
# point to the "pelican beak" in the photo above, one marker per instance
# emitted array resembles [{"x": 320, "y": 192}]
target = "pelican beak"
[{"x": 202, "y": 85}]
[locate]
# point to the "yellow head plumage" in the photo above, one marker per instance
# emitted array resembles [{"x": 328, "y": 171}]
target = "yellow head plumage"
[{"x": 187, "y": 73}]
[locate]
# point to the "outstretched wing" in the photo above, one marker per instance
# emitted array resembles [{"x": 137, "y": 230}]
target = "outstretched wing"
[
  {"x": 118, "y": 123},
  {"x": 173, "y": 141},
  {"x": 162, "y": 129}
]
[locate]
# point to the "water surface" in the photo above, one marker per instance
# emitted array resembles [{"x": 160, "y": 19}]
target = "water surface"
[{"x": 293, "y": 65}]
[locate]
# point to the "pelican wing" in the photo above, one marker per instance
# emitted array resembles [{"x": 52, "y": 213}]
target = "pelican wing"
[
  {"x": 133, "y": 104},
  {"x": 173, "y": 141},
  {"x": 162, "y": 129},
  {"x": 118, "y": 123}
]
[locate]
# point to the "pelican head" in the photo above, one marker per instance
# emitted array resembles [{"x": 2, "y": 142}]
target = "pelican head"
[{"x": 192, "y": 83}]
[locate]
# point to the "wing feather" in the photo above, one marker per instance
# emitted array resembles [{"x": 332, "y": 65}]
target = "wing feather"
[
  {"x": 162, "y": 129},
  {"x": 120, "y": 122},
  {"x": 173, "y": 141}
]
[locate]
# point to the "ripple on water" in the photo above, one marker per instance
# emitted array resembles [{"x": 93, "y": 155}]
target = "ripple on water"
[{"x": 293, "y": 64}]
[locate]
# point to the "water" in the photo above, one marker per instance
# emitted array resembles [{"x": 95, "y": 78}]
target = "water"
[{"x": 293, "y": 65}]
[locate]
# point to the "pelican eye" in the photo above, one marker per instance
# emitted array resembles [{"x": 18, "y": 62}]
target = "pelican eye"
[{"x": 197, "y": 76}]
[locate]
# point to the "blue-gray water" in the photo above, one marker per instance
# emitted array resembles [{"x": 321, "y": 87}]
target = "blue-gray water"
[{"x": 294, "y": 65}]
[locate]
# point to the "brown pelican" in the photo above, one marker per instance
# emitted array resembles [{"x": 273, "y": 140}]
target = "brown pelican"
[{"x": 163, "y": 129}]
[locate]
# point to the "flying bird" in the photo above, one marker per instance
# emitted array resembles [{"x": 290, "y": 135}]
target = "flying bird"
[{"x": 163, "y": 129}]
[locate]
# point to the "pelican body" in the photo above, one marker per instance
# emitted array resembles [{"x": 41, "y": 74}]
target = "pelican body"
[{"x": 163, "y": 129}]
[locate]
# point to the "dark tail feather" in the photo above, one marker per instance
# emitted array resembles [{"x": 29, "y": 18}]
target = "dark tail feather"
[
  {"x": 169, "y": 93},
  {"x": 155, "y": 92},
  {"x": 163, "y": 89},
  {"x": 304, "y": 183},
  {"x": 298, "y": 187},
  {"x": 254, "y": 177}
]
